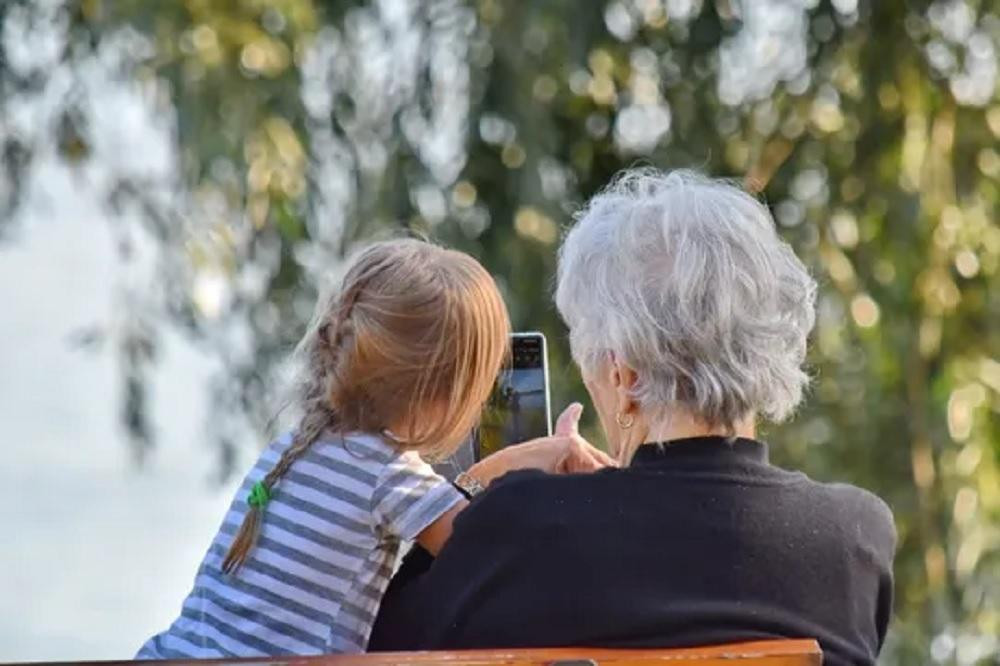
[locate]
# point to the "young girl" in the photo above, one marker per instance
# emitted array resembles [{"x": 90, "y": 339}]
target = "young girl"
[{"x": 398, "y": 364}]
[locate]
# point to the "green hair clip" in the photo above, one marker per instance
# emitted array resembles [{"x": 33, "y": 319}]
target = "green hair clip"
[{"x": 259, "y": 496}]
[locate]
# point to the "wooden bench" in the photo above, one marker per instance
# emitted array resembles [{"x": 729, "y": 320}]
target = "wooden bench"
[{"x": 761, "y": 653}]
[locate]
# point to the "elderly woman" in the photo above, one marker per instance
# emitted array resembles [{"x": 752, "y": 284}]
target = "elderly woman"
[{"x": 688, "y": 317}]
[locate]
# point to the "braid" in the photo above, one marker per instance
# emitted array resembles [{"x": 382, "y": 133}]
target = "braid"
[{"x": 324, "y": 358}]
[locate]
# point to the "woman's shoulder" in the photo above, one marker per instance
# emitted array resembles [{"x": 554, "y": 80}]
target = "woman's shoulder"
[
  {"x": 862, "y": 499},
  {"x": 855, "y": 509},
  {"x": 849, "y": 497}
]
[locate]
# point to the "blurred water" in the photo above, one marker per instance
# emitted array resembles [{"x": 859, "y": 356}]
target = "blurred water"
[{"x": 96, "y": 554}]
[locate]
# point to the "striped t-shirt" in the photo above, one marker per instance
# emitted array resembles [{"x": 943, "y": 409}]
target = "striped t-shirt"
[{"x": 327, "y": 547}]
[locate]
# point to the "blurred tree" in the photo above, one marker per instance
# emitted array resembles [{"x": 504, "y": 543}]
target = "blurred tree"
[{"x": 302, "y": 126}]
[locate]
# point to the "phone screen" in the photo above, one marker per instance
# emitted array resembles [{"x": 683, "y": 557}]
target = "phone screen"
[{"x": 518, "y": 408}]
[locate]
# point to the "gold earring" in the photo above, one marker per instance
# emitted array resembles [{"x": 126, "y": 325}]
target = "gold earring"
[{"x": 624, "y": 424}]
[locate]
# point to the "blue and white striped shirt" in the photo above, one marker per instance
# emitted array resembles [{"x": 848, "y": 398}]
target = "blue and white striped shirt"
[{"x": 328, "y": 543}]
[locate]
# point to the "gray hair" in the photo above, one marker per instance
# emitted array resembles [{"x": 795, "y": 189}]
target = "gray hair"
[{"x": 685, "y": 279}]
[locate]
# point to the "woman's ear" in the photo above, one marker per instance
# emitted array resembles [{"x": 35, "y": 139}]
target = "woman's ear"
[{"x": 624, "y": 379}]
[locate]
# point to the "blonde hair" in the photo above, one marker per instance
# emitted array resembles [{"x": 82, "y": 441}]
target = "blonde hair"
[{"x": 415, "y": 331}]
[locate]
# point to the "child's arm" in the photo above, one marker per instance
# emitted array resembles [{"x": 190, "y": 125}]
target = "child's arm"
[
  {"x": 413, "y": 503},
  {"x": 434, "y": 536},
  {"x": 410, "y": 495},
  {"x": 563, "y": 452}
]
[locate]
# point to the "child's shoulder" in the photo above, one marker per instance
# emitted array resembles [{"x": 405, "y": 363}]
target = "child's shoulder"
[
  {"x": 334, "y": 466},
  {"x": 364, "y": 457},
  {"x": 367, "y": 450}
]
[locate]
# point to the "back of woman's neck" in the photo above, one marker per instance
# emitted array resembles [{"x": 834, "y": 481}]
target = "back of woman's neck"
[{"x": 685, "y": 426}]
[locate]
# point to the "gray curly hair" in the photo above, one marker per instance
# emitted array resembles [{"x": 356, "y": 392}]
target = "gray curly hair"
[{"x": 685, "y": 279}]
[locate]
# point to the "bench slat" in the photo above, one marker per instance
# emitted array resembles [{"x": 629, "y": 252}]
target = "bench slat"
[{"x": 759, "y": 653}]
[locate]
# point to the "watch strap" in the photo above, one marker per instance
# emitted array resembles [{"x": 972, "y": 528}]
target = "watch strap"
[{"x": 468, "y": 485}]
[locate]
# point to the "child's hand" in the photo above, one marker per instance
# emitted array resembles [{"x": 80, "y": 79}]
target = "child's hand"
[{"x": 565, "y": 452}]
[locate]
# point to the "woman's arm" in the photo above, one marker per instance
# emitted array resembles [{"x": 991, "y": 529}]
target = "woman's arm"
[
  {"x": 427, "y": 596},
  {"x": 398, "y": 625}
]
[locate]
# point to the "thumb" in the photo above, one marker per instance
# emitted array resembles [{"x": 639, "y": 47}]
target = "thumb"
[{"x": 569, "y": 421}]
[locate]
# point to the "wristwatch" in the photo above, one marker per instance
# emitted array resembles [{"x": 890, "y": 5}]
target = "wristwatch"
[{"x": 468, "y": 485}]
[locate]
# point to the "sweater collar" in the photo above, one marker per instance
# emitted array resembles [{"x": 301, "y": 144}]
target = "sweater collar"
[{"x": 710, "y": 449}]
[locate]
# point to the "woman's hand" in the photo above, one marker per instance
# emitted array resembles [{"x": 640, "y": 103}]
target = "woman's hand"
[{"x": 565, "y": 452}]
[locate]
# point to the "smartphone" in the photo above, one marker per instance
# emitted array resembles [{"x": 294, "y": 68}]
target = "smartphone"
[{"x": 519, "y": 407}]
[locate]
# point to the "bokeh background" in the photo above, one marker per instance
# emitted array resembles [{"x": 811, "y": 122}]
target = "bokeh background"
[{"x": 178, "y": 177}]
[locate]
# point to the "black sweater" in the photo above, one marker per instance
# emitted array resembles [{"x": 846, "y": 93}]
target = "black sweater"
[{"x": 699, "y": 541}]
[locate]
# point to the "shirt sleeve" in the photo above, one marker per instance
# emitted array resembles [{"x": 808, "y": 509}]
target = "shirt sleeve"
[{"x": 409, "y": 495}]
